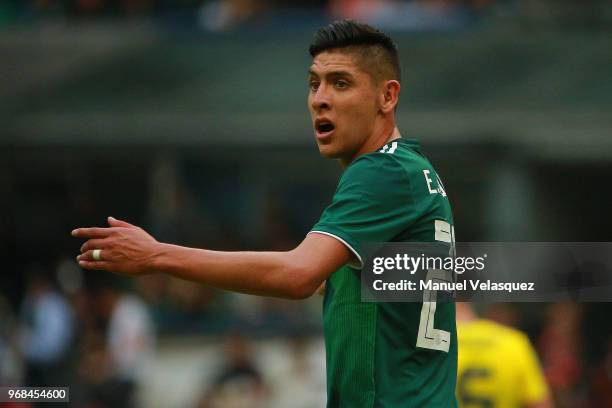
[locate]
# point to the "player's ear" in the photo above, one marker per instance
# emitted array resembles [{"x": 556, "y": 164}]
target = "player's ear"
[{"x": 389, "y": 95}]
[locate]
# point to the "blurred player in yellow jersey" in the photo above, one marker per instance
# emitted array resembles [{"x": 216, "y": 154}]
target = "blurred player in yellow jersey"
[{"x": 497, "y": 366}]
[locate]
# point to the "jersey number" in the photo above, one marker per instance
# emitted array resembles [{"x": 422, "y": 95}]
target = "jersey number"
[
  {"x": 429, "y": 337},
  {"x": 467, "y": 398}
]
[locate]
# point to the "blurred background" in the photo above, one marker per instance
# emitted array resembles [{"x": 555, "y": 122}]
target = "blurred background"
[{"x": 189, "y": 118}]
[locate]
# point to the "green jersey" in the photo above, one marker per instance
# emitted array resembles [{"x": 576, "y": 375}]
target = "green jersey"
[{"x": 387, "y": 354}]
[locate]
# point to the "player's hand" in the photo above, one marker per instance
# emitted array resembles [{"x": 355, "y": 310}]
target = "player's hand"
[{"x": 123, "y": 248}]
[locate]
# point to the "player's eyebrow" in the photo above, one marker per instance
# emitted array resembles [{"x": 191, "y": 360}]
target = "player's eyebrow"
[{"x": 339, "y": 73}]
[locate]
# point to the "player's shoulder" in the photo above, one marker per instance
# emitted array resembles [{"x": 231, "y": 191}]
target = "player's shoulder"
[
  {"x": 507, "y": 335},
  {"x": 510, "y": 334}
]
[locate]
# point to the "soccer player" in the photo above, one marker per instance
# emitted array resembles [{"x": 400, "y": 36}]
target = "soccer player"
[
  {"x": 498, "y": 367},
  {"x": 378, "y": 354}
]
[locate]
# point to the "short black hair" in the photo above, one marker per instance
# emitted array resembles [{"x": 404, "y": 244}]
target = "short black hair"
[{"x": 375, "y": 45}]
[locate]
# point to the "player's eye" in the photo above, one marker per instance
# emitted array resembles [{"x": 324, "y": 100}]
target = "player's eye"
[
  {"x": 341, "y": 84},
  {"x": 313, "y": 85}
]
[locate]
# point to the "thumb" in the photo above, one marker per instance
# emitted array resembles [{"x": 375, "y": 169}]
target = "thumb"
[{"x": 113, "y": 222}]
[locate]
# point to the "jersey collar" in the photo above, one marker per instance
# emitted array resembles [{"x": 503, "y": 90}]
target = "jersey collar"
[{"x": 411, "y": 143}]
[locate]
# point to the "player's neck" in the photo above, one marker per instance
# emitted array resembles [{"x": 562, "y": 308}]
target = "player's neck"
[
  {"x": 465, "y": 313},
  {"x": 374, "y": 143}
]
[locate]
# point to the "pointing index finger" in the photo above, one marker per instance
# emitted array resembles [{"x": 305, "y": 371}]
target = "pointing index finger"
[{"x": 91, "y": 232}]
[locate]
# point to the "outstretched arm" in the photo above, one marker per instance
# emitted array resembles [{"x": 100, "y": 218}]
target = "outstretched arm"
[{"x": 129, "y": 250}]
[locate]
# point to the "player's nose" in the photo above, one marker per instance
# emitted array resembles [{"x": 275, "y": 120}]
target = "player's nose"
[{"x": 320, "y": 100}]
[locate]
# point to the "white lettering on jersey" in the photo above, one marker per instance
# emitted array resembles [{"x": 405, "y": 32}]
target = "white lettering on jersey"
[
  {"x": 440, "y": 186},
  {"x": 429, "y": 181},
  {"x": 438, "y": 190}
]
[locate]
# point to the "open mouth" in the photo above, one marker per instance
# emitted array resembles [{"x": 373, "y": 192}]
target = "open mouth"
[{"x": 324, "y": 127}]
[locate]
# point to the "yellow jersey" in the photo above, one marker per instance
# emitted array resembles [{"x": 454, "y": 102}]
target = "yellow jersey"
[{"x": 497, "y": 367}]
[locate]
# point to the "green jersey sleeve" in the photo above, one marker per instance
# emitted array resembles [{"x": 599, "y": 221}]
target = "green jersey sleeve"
[{"x": 371, "y": 204}]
